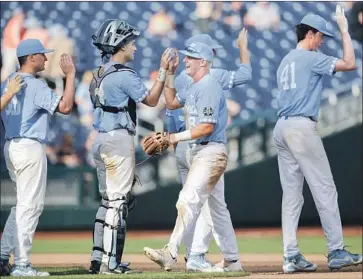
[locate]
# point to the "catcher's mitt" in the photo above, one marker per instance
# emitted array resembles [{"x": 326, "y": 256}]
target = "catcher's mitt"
[{"x": 155, "y": 143}]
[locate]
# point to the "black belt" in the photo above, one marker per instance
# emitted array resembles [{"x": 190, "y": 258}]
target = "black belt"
[
  {"x": 204, "y": 142},
  {"x": 287, "y": 116}
]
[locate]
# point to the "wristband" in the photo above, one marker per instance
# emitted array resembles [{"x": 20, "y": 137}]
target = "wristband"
[
  {"x": 171, "y": 81},
  {"x": 161, "y": 75},
  {"x": 183, "y": 136}
]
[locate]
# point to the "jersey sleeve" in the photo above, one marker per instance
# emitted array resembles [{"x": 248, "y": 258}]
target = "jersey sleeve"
[
  {"x": 170, "y": 123},
  {"x": 208, "y": 104},
  {"x": 46, "y": 98},
  {"x": 324, "y": 64},
  {"x": 229, "y": 79},
  {"x": 133, "y": 86}
]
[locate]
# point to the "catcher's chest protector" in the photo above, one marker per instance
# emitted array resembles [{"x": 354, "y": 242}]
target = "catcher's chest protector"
[{"x": 98, "y": 100}]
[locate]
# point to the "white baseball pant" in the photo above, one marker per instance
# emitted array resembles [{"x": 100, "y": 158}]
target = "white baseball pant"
[
  {"x": 198, "y": 242},
  {"x": 199, "y": 190},
  {"x": 27, "y": 164},
  {"x": 301, "y": 154},
  {"x": 114, "y": 155}
]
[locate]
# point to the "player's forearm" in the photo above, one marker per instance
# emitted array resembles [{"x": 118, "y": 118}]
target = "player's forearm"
[
  {"x": 66, "y": 103},
  {"x": 172, "y": 101},
  {"x": 154, "y": 94},
  {"x": 199, "y": 131},
  {"x": 348, "y": 51},
  {"x": 244, "y": 55}
]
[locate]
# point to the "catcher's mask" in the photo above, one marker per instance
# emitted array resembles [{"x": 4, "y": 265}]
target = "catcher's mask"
[{"x": 114, "y": 34}]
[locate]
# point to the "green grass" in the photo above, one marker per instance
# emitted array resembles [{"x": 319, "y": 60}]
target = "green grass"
[
  {"x": 265, "y": 244},
  {"x": 81, "y": 272}
]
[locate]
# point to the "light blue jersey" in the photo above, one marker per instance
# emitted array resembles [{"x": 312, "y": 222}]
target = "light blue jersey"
[
  {"x": 115, "y": 90},
  {"x": 205, "y": 103},
  {"x": 300, "y": 82},
  {"x": 227, "y": 79},
  {"x": 28, "y": 113}
]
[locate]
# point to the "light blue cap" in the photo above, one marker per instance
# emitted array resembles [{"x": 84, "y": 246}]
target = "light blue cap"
[
  {"x": 203, "y": 38},
  {"x": 31, "y": 46},
  {"x": 199, "y": 50},
  {"x": 318, "y": 23}
]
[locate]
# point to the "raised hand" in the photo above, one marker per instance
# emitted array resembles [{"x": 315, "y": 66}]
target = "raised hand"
[
  {"x": 341, "y": 19},
  {"x": 242, "y": 40},
  {"x": 165, "y": 57},
  {"x": 66, "y": 64},
  {"x": 174, "y": 61}
]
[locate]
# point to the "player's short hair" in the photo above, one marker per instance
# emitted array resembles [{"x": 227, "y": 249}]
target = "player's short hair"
[
  {"x": 22, "y": 60},
  {"x": 302, "y": 30}
]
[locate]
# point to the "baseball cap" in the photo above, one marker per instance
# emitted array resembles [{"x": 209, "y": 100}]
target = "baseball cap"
[
  {"x": 199, "y": 50},
  {"x": 31, "y": 46},
  {"x": 203, "y": 38},
  {"x": 318, "y": 23}
]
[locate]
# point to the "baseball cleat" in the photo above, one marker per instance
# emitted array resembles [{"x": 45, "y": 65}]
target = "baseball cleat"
[
  {"x": 5, "y": 267},
  {"x": 121, "y": 269},
  {"x": 27, "y": 271},
  {"x": 199, "y": 263},
  {"x": 96, "y": 265},
  {"x": 230, "y": 266},
  {"x": 341, "y": 258},
  {"x": 297, "y": 263},
  {"x": 162, "y": 257}
]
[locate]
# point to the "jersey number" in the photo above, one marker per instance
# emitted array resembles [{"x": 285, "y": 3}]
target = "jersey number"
[
  {"x": 14, "y": 107},
  {"x": 284, "y": 78}
]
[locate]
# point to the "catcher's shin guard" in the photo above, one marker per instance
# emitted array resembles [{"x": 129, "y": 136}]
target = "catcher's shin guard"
[
  {"x": 115, "y": 233},
  {"x": 98, "y": 231}
]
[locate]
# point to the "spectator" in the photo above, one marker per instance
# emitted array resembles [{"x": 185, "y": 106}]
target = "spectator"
[
  {"x": 233, "y": 18},
  {"x": 160, "y": 24},
  {"x": 59, "y": 41},
  {"x": 35, "y": 31},
  {"x": 356, "y": 21},
  {"x": 66, "y": 153},
  {"x": 13, "y": 33},
  {"x": 207, "y": 12},
  {"x": 263, "y": 15}
]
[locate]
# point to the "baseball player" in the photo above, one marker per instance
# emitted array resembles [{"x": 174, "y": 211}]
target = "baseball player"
[
  {"x": 175, "y": 120},
  {"x": 206, "y": 121},
  {"x": 300, "y": 150},
  {"x": 115, "y": 90},
  {"x": 26, "y": 121},
  {"x": 14, "y": 85}
]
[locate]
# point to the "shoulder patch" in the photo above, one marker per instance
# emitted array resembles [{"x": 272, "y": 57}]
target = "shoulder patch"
[{"x": 208, "y": 111}]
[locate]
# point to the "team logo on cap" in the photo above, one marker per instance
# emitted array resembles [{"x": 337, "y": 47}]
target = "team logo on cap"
[{"x": 207, "y": 111}]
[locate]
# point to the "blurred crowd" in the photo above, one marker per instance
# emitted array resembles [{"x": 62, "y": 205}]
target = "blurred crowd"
[{"x": 72, "y": 136}]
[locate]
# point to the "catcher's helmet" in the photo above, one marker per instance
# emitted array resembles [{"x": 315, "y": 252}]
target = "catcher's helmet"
[{"x": 113, "y": 34}]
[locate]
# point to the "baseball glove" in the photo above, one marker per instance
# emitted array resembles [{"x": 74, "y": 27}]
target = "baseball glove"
[{"x": 155, "y": 143}]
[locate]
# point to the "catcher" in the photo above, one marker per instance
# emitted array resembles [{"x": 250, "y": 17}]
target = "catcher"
[{"x": 115, "y": 90}]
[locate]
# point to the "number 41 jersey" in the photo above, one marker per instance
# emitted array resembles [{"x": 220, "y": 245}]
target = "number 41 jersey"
[{"x": 300, "y": 82}]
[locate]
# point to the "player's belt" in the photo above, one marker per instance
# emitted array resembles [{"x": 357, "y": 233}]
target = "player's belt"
[
  {"x": 204, "y": 142},
  {"x": 287, "y": 116}
]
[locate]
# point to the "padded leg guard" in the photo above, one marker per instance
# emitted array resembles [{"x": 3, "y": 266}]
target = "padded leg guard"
[
  {"x": 98, "y": 231},
  {"x": 115, "y": 233}
]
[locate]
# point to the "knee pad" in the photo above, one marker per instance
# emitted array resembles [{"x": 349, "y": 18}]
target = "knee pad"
[
  {"x": 115, "y": 232},
  {"x": 98, "y": 226}
]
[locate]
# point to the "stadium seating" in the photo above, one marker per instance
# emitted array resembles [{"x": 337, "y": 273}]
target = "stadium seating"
[{"x": 267, "y": 47}]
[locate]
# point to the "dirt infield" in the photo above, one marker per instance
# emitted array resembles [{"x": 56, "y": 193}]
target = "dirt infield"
[
  {"x": 255, "y": 232},
  {"x": 259, "y": 265}
]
